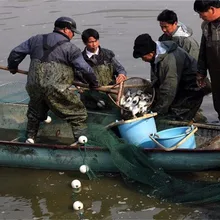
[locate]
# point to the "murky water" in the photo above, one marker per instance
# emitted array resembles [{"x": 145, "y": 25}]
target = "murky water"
[
  {"x": 40, "y": 194},
  {"x": 37, "y": 194}
]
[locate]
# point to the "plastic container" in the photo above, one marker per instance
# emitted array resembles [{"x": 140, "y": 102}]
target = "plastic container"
[
  {"x": 179, "y": 137},
  {"x": 136, "y": 131}
]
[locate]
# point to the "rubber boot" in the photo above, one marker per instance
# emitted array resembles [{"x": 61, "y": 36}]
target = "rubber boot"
[
  {"x": 32, "y": 129},
  {"x": 79, "y": 132}
]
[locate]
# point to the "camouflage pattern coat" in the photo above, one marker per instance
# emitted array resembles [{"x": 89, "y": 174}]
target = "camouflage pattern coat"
[
  {"x": 106, "y": 69},
  {"x": 53, "y": 58}
]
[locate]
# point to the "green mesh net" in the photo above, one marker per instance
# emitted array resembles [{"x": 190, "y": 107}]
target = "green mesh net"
[
  {"x": 13, "y": 92},
  {"x": 134, "y": 165},
  {"x": 140, "y": 174}
]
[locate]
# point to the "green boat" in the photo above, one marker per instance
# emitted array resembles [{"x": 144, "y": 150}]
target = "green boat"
[{"x": 53, "y": 150}]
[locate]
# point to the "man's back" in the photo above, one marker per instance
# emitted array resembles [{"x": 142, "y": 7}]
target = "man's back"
[{"x": 176, "y": 63}]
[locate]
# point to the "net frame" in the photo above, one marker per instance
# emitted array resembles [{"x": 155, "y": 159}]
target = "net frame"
[{"x": 133, "y": 84}]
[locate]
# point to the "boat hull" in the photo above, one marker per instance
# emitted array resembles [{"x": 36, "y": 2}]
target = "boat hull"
[
  {"x": 100, "y": 160},
  {"x": 63, "y": 157}
]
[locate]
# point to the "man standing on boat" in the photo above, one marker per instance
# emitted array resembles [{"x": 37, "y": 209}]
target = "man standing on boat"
[
  {"x": 173, "y": 75},
  {"x": 182, "y": 35},
  {"x": 209, "y": 54},
  {"x": 177, "y": 32},
  {"x": 51, "y": 73},
  {"x": 107, "y": 69}
]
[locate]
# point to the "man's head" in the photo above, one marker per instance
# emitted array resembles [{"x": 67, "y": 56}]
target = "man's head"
[
  {"x": 90, "y": 38},
  {"x": 209, "y": 10},
  {"x": 144, "y": 47},
  {"x": 168, "y": 21},
  {"x": 66, "y": 25}
]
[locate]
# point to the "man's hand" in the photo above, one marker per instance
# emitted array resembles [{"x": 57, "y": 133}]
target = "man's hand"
[
  {"x": 13, "y": 71},
  {"x": 120, "y": 78},
  {"x": 92, "y": 86},
  {"x": 200, "y": 80},
  {"x": 79, "y": 89}
]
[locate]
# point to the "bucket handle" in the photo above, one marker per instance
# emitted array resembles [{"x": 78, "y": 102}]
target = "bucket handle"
[{"x": 178, "y": 144}]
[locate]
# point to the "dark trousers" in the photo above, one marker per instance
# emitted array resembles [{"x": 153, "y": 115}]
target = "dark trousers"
[{"x": 64, "y": 104}]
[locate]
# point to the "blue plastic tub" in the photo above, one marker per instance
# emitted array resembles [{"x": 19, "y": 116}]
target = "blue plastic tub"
[
  {"x": 136, "y": 131},
  {"x": 171, "y": 137}
]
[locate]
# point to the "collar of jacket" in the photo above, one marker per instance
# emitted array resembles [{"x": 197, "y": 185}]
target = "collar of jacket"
[
  {"x": 90, "y": 54},
  {"x": 160, "y": 52},
  {"x": 58, "y": 32}
]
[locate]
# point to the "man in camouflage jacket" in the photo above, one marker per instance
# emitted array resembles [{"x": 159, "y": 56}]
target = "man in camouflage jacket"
[{"x": 53, "y": 58}]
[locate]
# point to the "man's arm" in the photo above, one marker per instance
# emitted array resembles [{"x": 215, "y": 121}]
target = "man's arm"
[
  {"x": 202, "y": 61},
  {"x": 18, "y": 54},
  {"x": 119, "y": 69},
  {"x": 168, "y": 87},
  {"x": 87, "y": 72},
  {"x": 121, "y": 74}
]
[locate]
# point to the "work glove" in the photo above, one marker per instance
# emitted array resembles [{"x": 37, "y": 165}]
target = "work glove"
[{"x": 13, "y": 71}]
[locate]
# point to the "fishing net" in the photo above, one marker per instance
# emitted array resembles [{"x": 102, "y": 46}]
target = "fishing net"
[
  {"x": 135, "y": 95},
  {"x": 13, "y": 92},
  {"x": 139, "y": 173},
  {"x": 135, "y": 166}
]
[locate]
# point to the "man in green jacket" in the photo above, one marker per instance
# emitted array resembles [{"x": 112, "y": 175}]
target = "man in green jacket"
[
  {"x": 173, "y": 75},
  {"x": 178, "y": 32},
  {"x": 107, "y": 68},
  {"x": 209, "y": 54}
]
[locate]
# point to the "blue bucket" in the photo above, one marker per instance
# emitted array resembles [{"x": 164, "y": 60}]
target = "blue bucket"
[
  {"x": 137, "y": 130},
  {"x": 176, "y": 138}
]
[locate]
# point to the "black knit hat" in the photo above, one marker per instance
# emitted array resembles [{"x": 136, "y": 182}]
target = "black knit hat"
[{"x": 143, "y": 45}]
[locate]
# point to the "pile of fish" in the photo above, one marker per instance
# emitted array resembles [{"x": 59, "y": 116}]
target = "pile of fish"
[{"x": 136, "y": 102}]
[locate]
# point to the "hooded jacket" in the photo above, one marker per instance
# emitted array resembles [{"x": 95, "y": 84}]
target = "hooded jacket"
[
  {"x": 173, "y": 72},
  {"x": 183, "y": 37}
]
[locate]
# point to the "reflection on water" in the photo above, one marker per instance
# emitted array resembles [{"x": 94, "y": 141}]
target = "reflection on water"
[{"x": 28, "y": 194}]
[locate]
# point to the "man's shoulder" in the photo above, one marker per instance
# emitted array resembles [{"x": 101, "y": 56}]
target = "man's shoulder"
[
  {"x": 164, "y": 37},
  {"x": 189, "y": 40},
  {"x": 107, "y": 52}
]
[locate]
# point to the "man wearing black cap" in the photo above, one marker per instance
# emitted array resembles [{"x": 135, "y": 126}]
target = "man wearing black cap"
[
  {"x": 173, "y": 75},
  {"x": 53, "y": 58}
]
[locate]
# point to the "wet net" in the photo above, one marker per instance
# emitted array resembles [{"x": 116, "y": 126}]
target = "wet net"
[
  {"x": 13, "y": 92},
  {"x": 134, "y": 165},
  {"x": 139, "y": 173}
]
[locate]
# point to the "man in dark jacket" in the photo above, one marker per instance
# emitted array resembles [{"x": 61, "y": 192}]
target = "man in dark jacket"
[
  {"x": 209, "y": 54},
  {"x": 178, "y": 32},
  {"x": 53, "y": 58},
  {"x": 173, "y": 75},
  {"x": 107, "y": 69}
]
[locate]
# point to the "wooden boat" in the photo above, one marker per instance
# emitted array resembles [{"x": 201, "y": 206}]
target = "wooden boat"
[{"x": 58, "y": 155}]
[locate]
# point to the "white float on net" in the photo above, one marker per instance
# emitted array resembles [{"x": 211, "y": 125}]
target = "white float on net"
[
  {"x": 76, "y": 184},
  {"x": 77, "y": 205},
  {"x": 84, "y": 168}
]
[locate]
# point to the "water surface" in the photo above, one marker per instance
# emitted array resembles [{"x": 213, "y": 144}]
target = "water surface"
[{"x": 37, "y": 194}]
